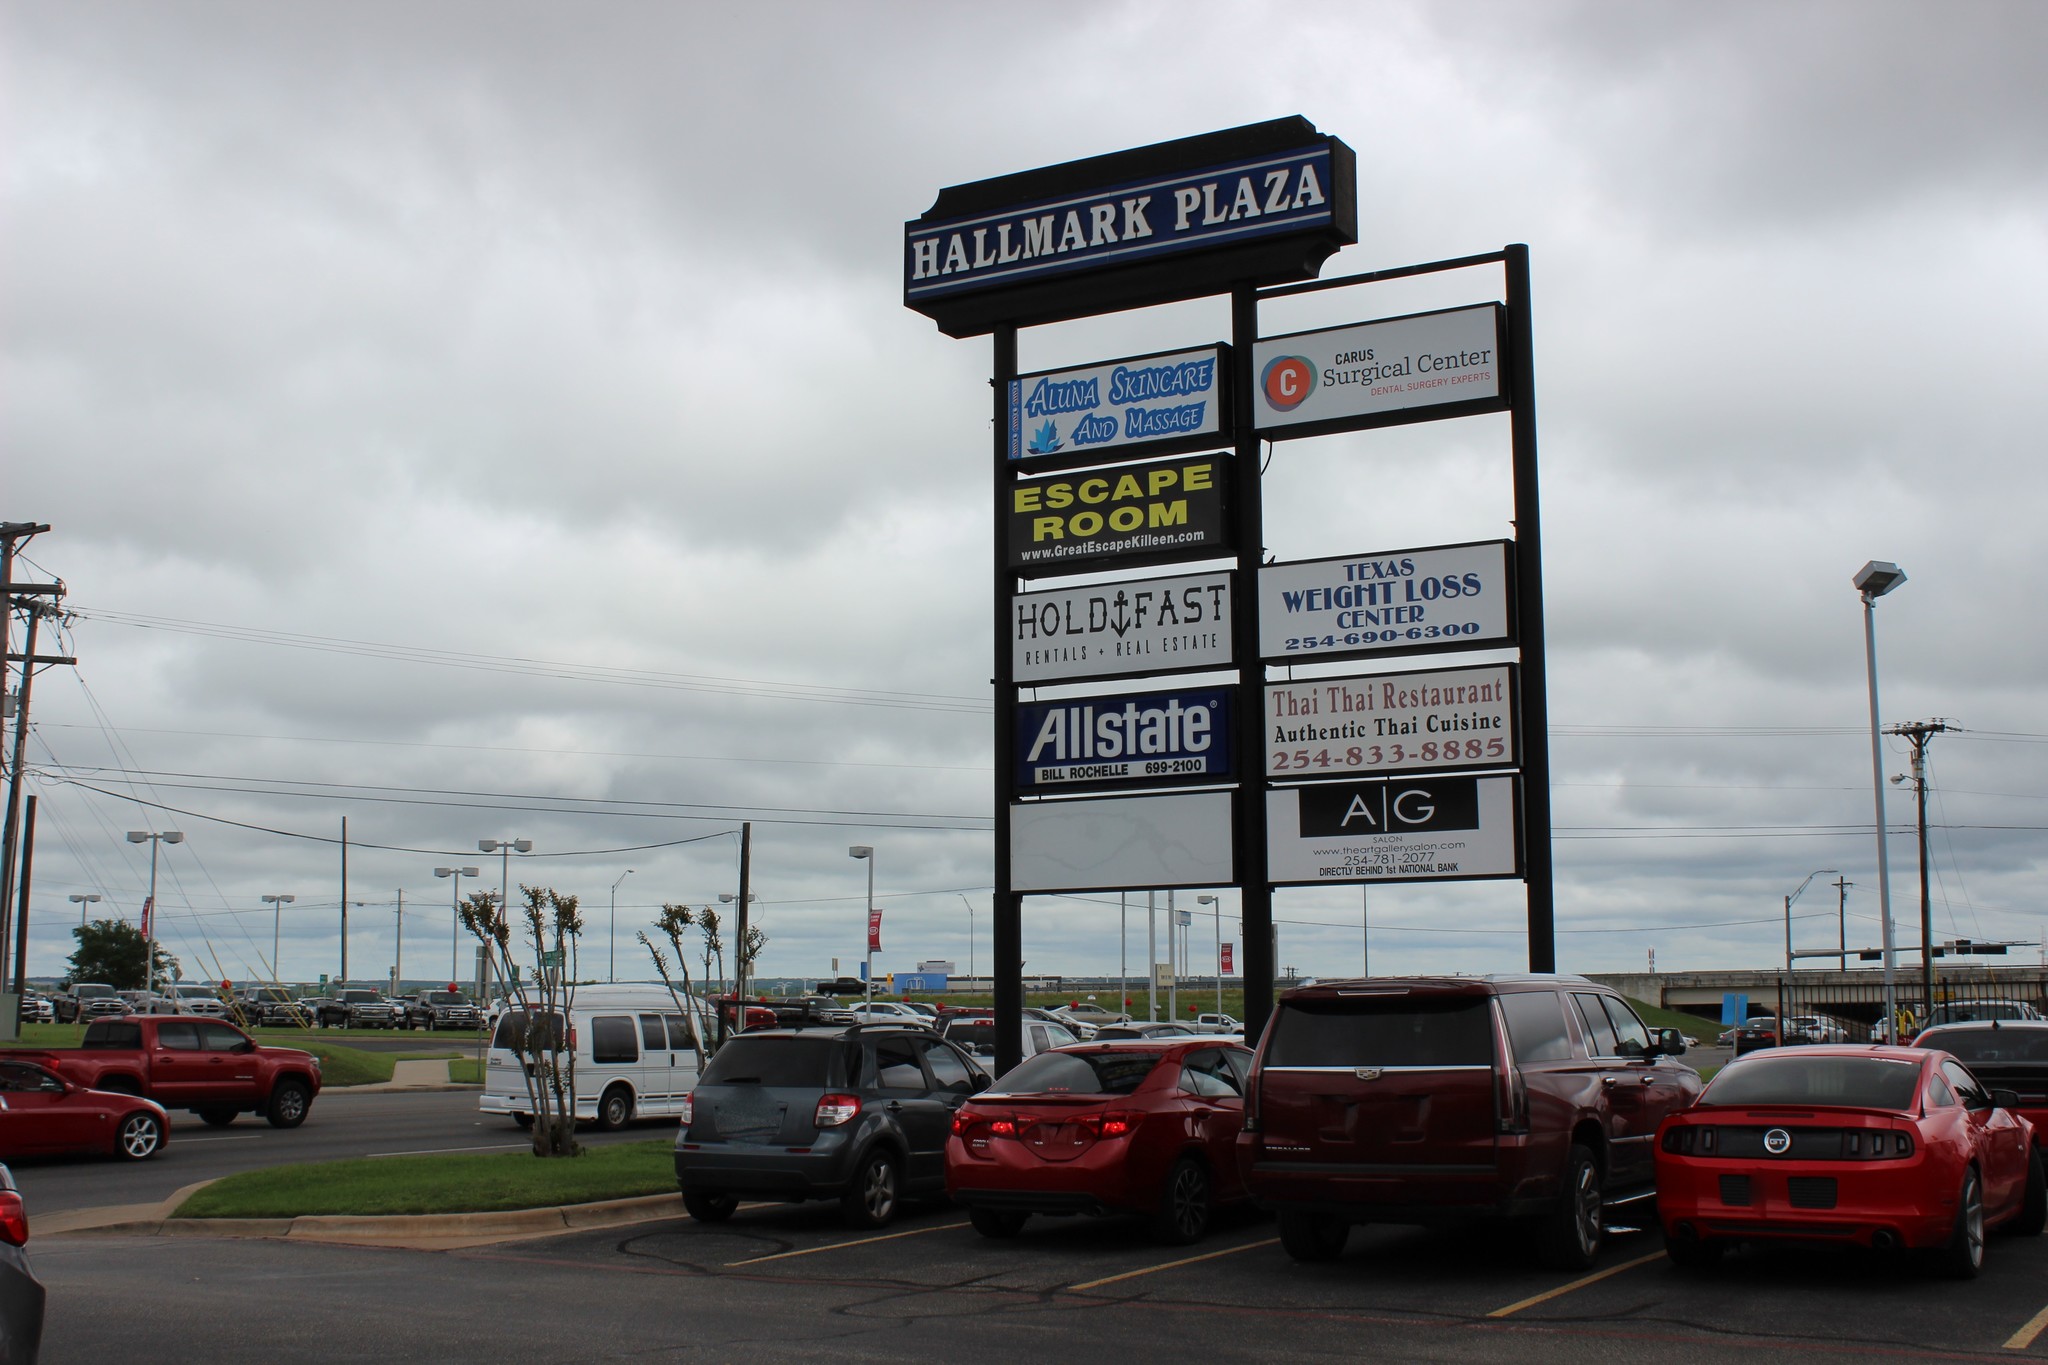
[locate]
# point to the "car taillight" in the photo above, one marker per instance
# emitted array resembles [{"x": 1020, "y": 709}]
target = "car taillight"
[
  {"x": 1117, "y": 1125},
  {"x": 1685, "y": 1139},
  {"x": 689, "y": 1109},
  {"x": 13, "y": 1219},
  {"x": 1877, "y": 1145},
  {"x": 1511, "y": 1099},
  {"x": 834, "y": 1110}
]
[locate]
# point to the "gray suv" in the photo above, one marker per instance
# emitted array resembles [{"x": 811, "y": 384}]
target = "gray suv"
[{"x": 860, "y": 1114}]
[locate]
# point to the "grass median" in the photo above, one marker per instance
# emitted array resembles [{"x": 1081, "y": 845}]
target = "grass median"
[{"x": 485, "y": 1182}]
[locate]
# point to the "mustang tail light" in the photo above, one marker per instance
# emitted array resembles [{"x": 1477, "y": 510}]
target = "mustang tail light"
[
  {"x": 13, "y": 1219},
  {"x": 1687, "y": 1139},
  {"x": 1877, "y": 1144},
  {"x": 834, "y": 1110}
]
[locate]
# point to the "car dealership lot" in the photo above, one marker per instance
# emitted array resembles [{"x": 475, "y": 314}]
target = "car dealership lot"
[{"x": 794, "y": 1279}]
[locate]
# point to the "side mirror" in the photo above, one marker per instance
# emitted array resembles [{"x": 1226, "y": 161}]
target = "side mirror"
[
  {"x": 1665, "y": 1042},
  {"x": 981, "y": 1082},
  {"x": 2005, "y": 1099}
]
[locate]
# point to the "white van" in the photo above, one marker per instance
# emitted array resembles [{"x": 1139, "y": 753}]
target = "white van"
[{"x": 635, "y": 1055}]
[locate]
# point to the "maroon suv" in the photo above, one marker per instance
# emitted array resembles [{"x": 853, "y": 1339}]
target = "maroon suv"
[{"x": 1430, "y": 1099}]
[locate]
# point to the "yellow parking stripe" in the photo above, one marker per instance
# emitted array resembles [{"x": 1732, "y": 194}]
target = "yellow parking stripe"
[
  {"x": 2022, "y": 1339},
  {"x": 1564, "y": 1289},
  {"x": 1174, "y": 1265},
  {"x": 835, "y": 1246}
]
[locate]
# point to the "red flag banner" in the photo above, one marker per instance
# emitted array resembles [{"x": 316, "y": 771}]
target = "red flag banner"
[
  {"x": 1228, "y": 954},
  {"x": 148, "y": 908},
  {"x": 874, "y": 931}
]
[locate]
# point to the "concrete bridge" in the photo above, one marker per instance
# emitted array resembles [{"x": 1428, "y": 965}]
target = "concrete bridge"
[{"x": 1856, "y": 995}]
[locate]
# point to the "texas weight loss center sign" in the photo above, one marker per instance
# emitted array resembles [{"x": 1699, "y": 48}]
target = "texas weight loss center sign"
[{"x": 1448, "y": 597}]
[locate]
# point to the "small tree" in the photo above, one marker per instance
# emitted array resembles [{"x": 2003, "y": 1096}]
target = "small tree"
[
  {"x": 550, "y": 925},
  {"x": 714, "y": 944},
  {"x": 675, "y": 921},
  {"x": 113, "y": 951}
]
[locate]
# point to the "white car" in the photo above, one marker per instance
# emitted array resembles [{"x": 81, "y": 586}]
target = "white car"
[
  {"x": 886, "y": 1012},
  {"x": 1216, "y": 1023}
]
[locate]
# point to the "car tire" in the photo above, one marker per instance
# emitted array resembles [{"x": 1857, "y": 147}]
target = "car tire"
[
  {"x": 1693, "y": 1253},
  {"x": 708, "y": 1207},
  {"x": 290, "y": 1101},
  {"x": 1185, "y": 1203},
  {"x": 1568, "y": 1237},
  {"x": 872, "y": 1199},
  {"x": 1963, "y": 1257},
  {"x": 140, "y": 1136},
  {"x": 217, "y": 1118},
  {"x": 1312, "y": 1237},
  {"x": 997, "y": 1223},
  {"x": 614, "y": 1109},
  {"x": 523, "y": 1120},
  {"x": 2034, "y": 1204}
]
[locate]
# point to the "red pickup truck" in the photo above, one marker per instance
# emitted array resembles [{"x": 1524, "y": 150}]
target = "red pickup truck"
[{"x": 205, "y": 1065}]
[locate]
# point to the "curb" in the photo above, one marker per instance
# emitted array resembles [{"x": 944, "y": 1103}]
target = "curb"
[
  {"x": 440, "y": 1230},
  {"x": 387, "y": 1087}
]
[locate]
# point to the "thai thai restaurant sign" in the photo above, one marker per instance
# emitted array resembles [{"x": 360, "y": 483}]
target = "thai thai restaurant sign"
[
  {"x": 1160, "y": 738},
  {"x": 1125, "y": 406},
  {"x": 1121, "y": 630},
  {"x": 1134, "y": 514},
  {"x": 1122, "y": 843},
  {"x": 1446, "y": 827},
  {"x": 1262, "y": 204},
  {"x": 1392, "y": 722},
  {"x": 1409, "y": 369},
  {"x": 1389, "y": 602}
]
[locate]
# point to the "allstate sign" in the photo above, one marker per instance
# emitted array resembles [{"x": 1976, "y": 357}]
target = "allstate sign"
[{"x": 1155, "y": 738}]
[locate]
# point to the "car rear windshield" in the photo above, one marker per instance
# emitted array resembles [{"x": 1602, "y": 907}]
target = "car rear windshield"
[
  {"x": 444, "y": 998},
  {"x": 1072, "y": 1073},
  {"x": 1993, "y": 1044},
  {"x": 1850, "y": 1082},
  {"x": 92, "y": 992},
  {"x": 1383, "y": 1030},
  {"x": 512, "y": 1033},
  {"x": 776, "y": 1061}
]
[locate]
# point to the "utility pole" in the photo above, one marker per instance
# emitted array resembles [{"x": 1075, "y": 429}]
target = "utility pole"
[
  {"x": 1918, "y": 734},
  {"x": 1842, "y": 918},
  {"x": 12, "y": 535}
]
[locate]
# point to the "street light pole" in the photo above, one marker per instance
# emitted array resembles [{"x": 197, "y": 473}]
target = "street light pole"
[
  {"x": 1873, "y": 581},
  {"x": 970, "y": 933},
  {"x": 866, "y": 854},
  {"x": 454, "y": 910},
  {"x": 277, "y": 905},
  {"x": 81, "y": 902},
  {"x": 612, "y": 939},
  {"x": 142, "y": 836},
  {"x": 505, "y": 848}
]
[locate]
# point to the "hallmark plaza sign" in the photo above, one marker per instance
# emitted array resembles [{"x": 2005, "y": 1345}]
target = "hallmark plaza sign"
[{"x": 1104, "y": 466}]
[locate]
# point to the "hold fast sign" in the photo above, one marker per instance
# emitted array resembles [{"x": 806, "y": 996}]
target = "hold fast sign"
[
  {"x": 1388, "y": 602},
  {"x": 1120, "y": 630},
  {"x": 1392, "y": 722},
  {"x": 1380, "y": 373},
  {"x": 1126, "y": 405},
  {"x": 1161, "y": 737},
  {"x": 1414, "y": 829}
]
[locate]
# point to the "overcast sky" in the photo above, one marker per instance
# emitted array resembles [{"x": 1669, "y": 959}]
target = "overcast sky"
[{"x": 499, "y": 420}]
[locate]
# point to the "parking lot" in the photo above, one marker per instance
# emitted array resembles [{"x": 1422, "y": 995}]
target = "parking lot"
[{"x": 792, "y": 1280}]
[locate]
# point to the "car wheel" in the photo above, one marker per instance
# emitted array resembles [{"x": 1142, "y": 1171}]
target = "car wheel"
[
  {"x": 614, "y": 1109},
  {"x": 217, "y": 1118},
  {"x": 141, "y": 1135},
  {"x": 1963, "y": 1257},
  {"x": 1568, "y": 1237},
  {"x": 1692, "y": 1253},
  {"x": 997, "y": 1222},
  {"x": 707, "y": 1207},
  {"x": 870, "y": 1202},
  {"x": 1183, "y": 1214},
  {"x": 2034, "y": 1205},
  {"x": 1312, "y": 1236},
  {"x": 289, "y": 1101},
  {"x": 523, "y": 1120}
]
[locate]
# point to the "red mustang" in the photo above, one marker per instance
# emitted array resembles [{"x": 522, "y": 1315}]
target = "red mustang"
[
  {"x": 1100, "y": 1128},
  {"x": 1883, "y": 1147},
  {"x": 42, "y": 1114}
]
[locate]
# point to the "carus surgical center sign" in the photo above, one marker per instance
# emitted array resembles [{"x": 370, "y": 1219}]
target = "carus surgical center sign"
[
  {"x": 1392, "y": 722},
  {"x": 1161, "y": 737},
  {"x": 1440, "y": 828},
  {"x": 1388, "y": 602},
  {"x": 1378, "y": 373},
  {"x": 1120, "y": 630},
  {"x": 1139, "y": 514},
  {"x": 1076, "y": 415}
]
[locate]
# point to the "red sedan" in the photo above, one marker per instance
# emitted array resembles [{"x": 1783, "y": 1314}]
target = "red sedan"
[
  {"x": 1105, "y": 1128},
  {"x": 1885, "y": 1147},
  {"x": 41, "y": 1114}
]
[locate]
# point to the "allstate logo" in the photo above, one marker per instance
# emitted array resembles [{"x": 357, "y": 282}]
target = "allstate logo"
[
  {"x": 1286, "y": 382},
  {"x": 1777, "y": 1142}
]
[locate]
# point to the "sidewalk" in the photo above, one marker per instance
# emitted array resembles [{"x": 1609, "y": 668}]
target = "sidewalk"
[{"x": 426, "y": 1075}]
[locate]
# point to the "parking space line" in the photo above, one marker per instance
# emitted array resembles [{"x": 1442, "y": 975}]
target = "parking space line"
[
  {"x": 1563, "y": 1289},
  {"x": 2022, "y": 1339},
  {"x": 857, "y": 1242},
  {"x": 1172, "y": 1265}
]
